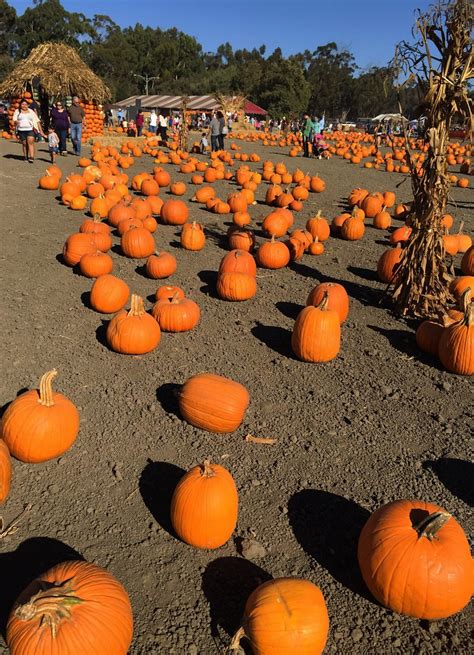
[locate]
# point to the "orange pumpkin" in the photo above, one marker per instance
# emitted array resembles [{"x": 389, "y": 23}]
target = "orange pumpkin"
[
  {"x": 410, "y": 552},
  {"x": 316, "y": 335},
  {"x": 137, "y": 243},
  {"x": 213, "y": 402},
  {"x": 388, "y": 263},
  {"x": 174, "y": 212},
  {"x": 5, "y": 471},
  {"x": 40, "y": 424},
  {"x": 76, "y": 604},
  {"x": 338, "y": 300},
  {"x": 285, "y": 615},
  {"x": 133, "y": 332},
  {"x": 109, "y": 294},
  {"x": 456, "y": 345},
  {"x": 176, "y": 314},
  {"x": 204, "y": 506}
]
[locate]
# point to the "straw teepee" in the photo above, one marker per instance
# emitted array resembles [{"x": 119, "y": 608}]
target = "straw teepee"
[{"x": 59, "y": 71}]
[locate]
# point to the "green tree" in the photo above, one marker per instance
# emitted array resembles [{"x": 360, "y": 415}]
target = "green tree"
[
  {"x": 330, "y": 76},
  {"x": 7, "y": 24},
  {"x": 283, "y": 89}
]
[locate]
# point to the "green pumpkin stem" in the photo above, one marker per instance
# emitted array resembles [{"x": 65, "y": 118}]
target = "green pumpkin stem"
[
  {"x": 137, "y": 307},
  {"x": 46, "y": 389},
  {"x": 432, "y": 524},
  {"x": 51, "y": 605}
]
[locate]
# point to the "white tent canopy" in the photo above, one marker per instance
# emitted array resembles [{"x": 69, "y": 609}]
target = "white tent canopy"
[{"x": 382, "y": 118}]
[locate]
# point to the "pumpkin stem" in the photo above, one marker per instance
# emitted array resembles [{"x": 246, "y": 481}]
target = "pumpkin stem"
[
  {"x": 175, "y": 299},
  {"x": 323, "y": 305},
  {"x": 465, "y": 304},
  {"x": 96, "y": 217},
  {"x": 137, "y": 307},
  {"x": 51, "y": 605},
  {"x": 318, "y": 214},
  {"x": 46, "y": 389},
  {"x": 235, "y": 643},
  {"x": 461, "y": 227},
  {"x": 431, "y": 525},
  {"x": 206, "y": 469}
]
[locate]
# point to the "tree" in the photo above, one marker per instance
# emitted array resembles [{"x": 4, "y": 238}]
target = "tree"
[
  {"x": 441, "y": 62},
  {"x": 373, "y": 93},
  {"x": 283, "y": 89},
  {"x": 7, "y": 24},
  {"x": 330, "y": 76}
]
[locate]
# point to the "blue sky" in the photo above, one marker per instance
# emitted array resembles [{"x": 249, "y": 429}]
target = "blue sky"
[{"x": 368, "y": 28}]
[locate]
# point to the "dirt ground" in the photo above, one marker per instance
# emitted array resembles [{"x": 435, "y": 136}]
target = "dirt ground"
[{"x": 379, "y": 423}]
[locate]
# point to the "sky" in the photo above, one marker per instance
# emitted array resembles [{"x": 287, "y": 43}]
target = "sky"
[{"x": 368, "y": 28}]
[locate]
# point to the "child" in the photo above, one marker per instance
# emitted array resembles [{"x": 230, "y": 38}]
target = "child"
[
  {"x": 204, "y": 143},
  {"x": 53, "y": 144},
  {"x": 319, "y": 146}
]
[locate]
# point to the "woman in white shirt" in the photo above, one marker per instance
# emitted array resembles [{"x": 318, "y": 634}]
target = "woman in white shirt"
[{"x": 26, "y": 122}]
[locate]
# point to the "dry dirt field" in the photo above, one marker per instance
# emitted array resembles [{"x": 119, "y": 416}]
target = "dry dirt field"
[{"x": 381, "y": 422}]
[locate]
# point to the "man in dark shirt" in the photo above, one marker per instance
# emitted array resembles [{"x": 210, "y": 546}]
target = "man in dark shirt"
[{"x": 76, "y": 116}]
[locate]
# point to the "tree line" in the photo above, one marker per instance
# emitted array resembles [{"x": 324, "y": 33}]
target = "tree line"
[{"x": 324, "y": 80}]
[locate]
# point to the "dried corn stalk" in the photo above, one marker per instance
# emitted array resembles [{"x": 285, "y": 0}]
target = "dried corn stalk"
[{"x": 441, "y": 63}]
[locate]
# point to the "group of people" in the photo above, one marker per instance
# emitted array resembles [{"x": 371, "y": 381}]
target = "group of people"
[
  {"x": 63, "y": 122},
  {"x": 311, "y": 130}
]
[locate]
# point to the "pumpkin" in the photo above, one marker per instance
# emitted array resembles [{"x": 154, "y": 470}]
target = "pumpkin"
[
  {"x": 382, "y": 220},
  {"x": 213, "y": 403},
  {"x": 450, "y": 244},
  {"x": 316, "y": 335},
  {"x": 356, "y": 196},
  {"x": 401, "y": 234},
  {"x": 126, "y": 224},
  {"x": 160, "y": 265},
  {"x": 467, "y": 262},
  {"x": 236, "y": 286},
  {"x": 304, "y": 236},
  {"x": 241, "y": 239},
  {"x": 74, "y": 607},
  {"x": 76, "y": 246},
  {"x": 456, "y": 345},
  {"x": 352, "y": 229},
  {"x": 96, "y": 264},
  {"x": 49, "y": 182},
  {"x": 109, "y": 294},
  {"x": 178, "y": 188},
  {"x": 137, "y": 243},
  {"x": 415, "y": 559},
  {"x": 273, "y": 254},
  {"x": 133, "y": 332},
  {"x": 428, "y": 334},
  {"x": 241, "y": 218},
  {"x": 94, "y": 226},
  {"x": 275, "y": 224},
  {"x": 388, "y": 199},
  {"x": 388, "y": 263},
  {"x": 192, "y": 236},
  {"x": 176, "y": 314},
  {"x": 238, "y": 261},
  {"x": 447, "y": 221},
  {"x": 459, "y": 285},
  {"x": 338, "y": 300},
  {"x": 40, "y": 424},
  {"x": 120, "y": 212},
  {"x": 237, "y": 203},
  {"x": 286, "y": 616},
  {"x": 204, "y": 506},
  {"x": 372, "y": 205},
  {"x": 204, "y": 194},
  {"x": 318, "y": 227},
  {"x": 162, "y": 178},
  {"x": 174, "y": 212},
  {"x": 317, "y": 185},
  {"x": 149, "y": 188},
  {"x": 316, "y": 248},
  {"x": 168, "y": 291},
  {"x": 5, "y": 471}
]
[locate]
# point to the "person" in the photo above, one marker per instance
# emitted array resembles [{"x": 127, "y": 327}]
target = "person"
[
  {"x": 120, "y": 116},
  {"x": 163, "y": 124},
  {"x": 132, "y": 128},
  {"x": 77, "y": 117},
  {"x": 307, "y": 134},
  {"x": 139, "y": 121},
  {"x": 214, "y": 129},
  {"x": 320, "y": 147},
  {"x": 153, "y": 121},
  {"x": 26, "y": 123},
  {"x": 53, "y": 144},
  {"x": 61, "y": 124},
  {"x": 230, "y": 122},
  {"x": 204, "y": 143},
  {"x": 223, "y": 130},
  {"x": 316, "y": 126}
]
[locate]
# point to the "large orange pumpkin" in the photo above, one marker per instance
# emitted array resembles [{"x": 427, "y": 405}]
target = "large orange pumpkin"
[
  {"x": 134, "y": 332},
  {"x": 76, "y": 608},
  {"x": 109, "y": 294},
  {"x": 174, "y": 212},
  {"x": 137, "y": 243},
  {"x": 285, "y": 616},
  {"x": 214, "y": 403},
  {"x": 456, "y": 345},
  {"x": 204, "y": 506},
  {"x": 316, "y": 334},
  {"x": 415, "y": 559},
  {"x": 40, "y": 424}
]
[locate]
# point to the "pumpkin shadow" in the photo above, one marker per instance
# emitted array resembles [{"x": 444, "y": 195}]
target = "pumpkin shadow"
[
  {"x": 404, "y": 341},
  {"x": 101, "y": 334},
  {"x": 227, "y": 582},
  {"x": 327, "y": 527},
  {"x": 457, "y": 475},
  {"x": 176, "y": 244},
  {"x": 289, "y": 309},
  {"x": 86, "y": 300},
  {"x": 19, "y": 567},
  {"x": 157, "y": 483},
  {"x": 59, "y": 258},
  {"x": 210, "y": 283},
  {"x": 4, "y": 407},
  {"x": 167, "y": 396},
  {"x": 116, "y": 249},
  {"x": 218, "y": 238},
  {"x": 274, "y": 337},
  {"x": 141, "y": 270},
  {"x": 364, "y": 273}
]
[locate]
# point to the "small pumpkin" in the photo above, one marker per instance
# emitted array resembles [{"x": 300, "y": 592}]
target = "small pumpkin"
[
  {"x": 318, "y": 227},
  {"x": 464, "y": 240},
  {"x": 40, "y": 425},
  {"x": 133, "y": 332},
  {"x": 285, "y": 615},
  {"x": 169, "y": 291},
  {"x": 204, "y": 506},
  {"x": 77, "y": 604},
  {"x": 410, "y": 552},
  {"x": 241, "y": 239},
  {"x": 352, "y": 229},
  {"x": 316, "y": 335},
  {"x": 160, "y": 265},
  {"x": 213, "y": 402},
  {"x": 176, "y": 314},
  {"x": 388, "y": 263},
  {"x": 96, "y": 264},
  {"x": 109, "y": 294},
  {"x": 273, "y": 254}
]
